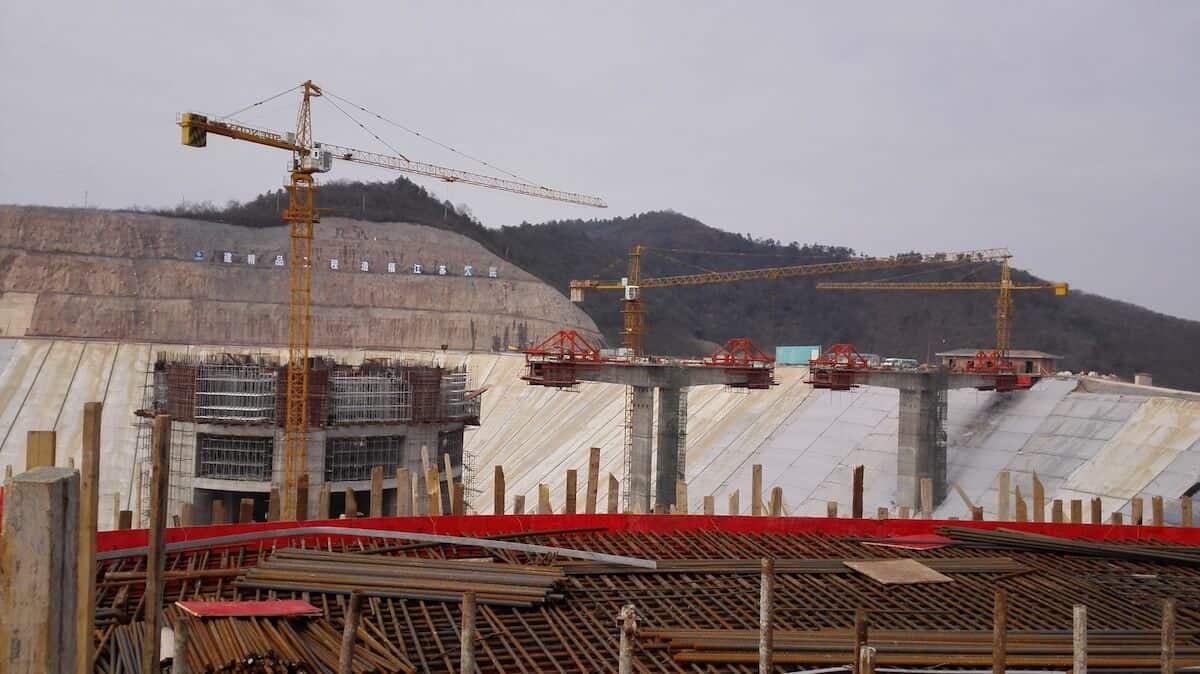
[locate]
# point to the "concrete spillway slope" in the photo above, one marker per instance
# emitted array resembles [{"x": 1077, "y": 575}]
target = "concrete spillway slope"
[{"x": 1081, "y": 444}]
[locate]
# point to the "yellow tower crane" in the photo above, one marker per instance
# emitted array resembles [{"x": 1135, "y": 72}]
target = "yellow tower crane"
[
  {"x": 1004, "y": 302},
  {"x": 308, "y": 158},
  {"x": 633, "y": 332}
]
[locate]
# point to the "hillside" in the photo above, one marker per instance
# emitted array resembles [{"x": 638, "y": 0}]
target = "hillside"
[
  {"x": 138, "y": 277},
  {"x": 1091, "y": 332}
]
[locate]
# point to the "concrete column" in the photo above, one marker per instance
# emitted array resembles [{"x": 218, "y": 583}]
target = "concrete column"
[
  {"x": 921, "y": 446},
  {"x": 667, "y": 471},
  {"x": 38, "y": 566},
  {"x": 641, "y": 452}
]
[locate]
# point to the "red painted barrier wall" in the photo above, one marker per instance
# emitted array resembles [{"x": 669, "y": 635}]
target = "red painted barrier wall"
[{"x": 483, "y": 525}]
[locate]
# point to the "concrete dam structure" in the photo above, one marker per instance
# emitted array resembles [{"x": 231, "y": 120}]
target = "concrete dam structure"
[{"x": 1111, "y": 445}]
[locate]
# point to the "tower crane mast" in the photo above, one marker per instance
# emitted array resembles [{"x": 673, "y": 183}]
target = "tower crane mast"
[{"x": 310, "y": 157}]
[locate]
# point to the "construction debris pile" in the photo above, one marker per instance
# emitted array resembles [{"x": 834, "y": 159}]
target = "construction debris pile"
[{"x": 697, "y": 609}]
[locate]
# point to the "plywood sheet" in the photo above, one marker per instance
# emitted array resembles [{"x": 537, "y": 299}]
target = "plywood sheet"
[{"x": 899, "y": 572}]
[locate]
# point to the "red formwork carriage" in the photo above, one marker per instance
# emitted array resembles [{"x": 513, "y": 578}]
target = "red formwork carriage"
[
  {"x": 838, "y": 368},
  {"x": 557, "y": 361},
  {"x": 741, "y": 357}
]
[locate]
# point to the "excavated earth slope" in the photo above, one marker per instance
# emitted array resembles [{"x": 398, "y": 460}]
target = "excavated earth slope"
[{"x": 135, "y": 277}]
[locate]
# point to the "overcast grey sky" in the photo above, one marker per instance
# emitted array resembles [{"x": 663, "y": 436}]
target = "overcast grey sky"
[{"x": 1067, "y": 131}]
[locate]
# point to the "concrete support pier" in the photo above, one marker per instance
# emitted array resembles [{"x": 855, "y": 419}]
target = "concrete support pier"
[
  {"x": 642, "y": 447},
  {"x": 921, "y": 445},
  {"x": 667, "y": 471},
  {"x": 38, "y": 572}
]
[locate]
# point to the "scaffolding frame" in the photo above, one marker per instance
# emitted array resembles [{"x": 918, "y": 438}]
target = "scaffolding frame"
[
  {"x": 227, "y": 392},
  {"x": 350, "y": 459},
  {"x": 235, "y": 457},
  {"x": 361, "y": 397}
]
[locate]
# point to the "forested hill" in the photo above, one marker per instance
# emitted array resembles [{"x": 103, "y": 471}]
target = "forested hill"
[{"x": 1091, "y": 332}]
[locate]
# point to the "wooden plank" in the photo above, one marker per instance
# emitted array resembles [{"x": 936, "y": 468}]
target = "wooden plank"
[
  {"x": 1022, "y": 509},
  {"x": 350, "y": 511},
  {"x": 264, "y": 608},
  {"x": 756, "y": 503},
  {"x": 543, "y": 505},
  {"x": 856, "y": 501},
  {"x": 125, "y": 519},
  {"x": 136, "y": 496},
  {"x": 246, "y": 511},
  {"x": 273, "y": 505},
  {"x": 302, "y": 497},
  {"x": 1076, "y": 511},
  {"x": 734, "y": 506},
  {"x": 905, "y": 512},
  {"x": 1039, "y": 500},
  {"x": 881, "y": 513},
  {"x": 614, "y": 494},
  {"x": 404, "y": 493},
  {"x": 1156, "y": 511},
  {"x": 377, "y": 491},
  {"x": 710, "y": 505},
  {"x": 519, "y": 504},
  {"x": 681, "y": 497},
  {"x": 433, "y": 491},
  {"x": 187, "y": 515},
  {"x": 323, "y": 498},
  {"x": 1056, "y": 512},
  {"x": 593, "y": 480},
  {"x": 1116, "y": 518},
  {"x": 458, "y": 499},
  {"x": 977, "y": 514},
  {"x": 898, "y": 571},
  {"x": 1135, "y": 511},
  {"x": 89, "y": 514},
  {"x": 926, "y": 498},
  {"x": 498, "y": 491},
  {"x": 414, "y": 488},
  {"x": 40, "y": 449},
  {"x": 1185, "y": 512},
  {"x": 831, "y": 509},
  {"x": 1097, "y": 514},
  {"x": 156, "y": 556},
  {"x": 572, "y": 489},
  {"x": 1003, "y": 491},
  {"x": 776, "y": 501}
]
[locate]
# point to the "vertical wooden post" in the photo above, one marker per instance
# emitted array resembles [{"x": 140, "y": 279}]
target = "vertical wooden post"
[
  {"x": 1003, "y": 491},
  {"x": 433, "y": 490},
  {"x": 187, "y": 515},
  {"x": 404, "y": 494},
  {"x": 977, "y": 513},
  {"x": 273, "y": 505},
  {"x": 776, "y": 501},
  {"x": 1169, "y": 611},
  {"x": 350, "y": 632},
  {"x": 323, "y": 498},
  {"x": 593, "y": 480},
  {"x": 519, "y": 504},
  {"x": 766, "y": 605},
  {"x": 628, "y": 618},
  {"x": 866, "y": 660},
  {"x": 1185, "y": 511},
  {"x": 377, "y": 491},
  {"x": 1056, "y": 511},
  {"x": 1116, "y": 518},
  {"x": 710, "y": 505},
  {"x": 302, "y": 497},
  {"x": 1039, "y": 500},
  {"x": 156, "y": 556},
  {"x": 414, "y": 488},
  {"x": 572, "y": 489},
  {"x": 125, "y": 519},
  {"x": 999, "y": 631},
  {"x": 831, "y": 509},
  {"x": 350, "y": 511},
  {"x": 756, "y": 503},
  {"x": 856, "y": 502},
  {"x": 246, "y": 511},
  {"x": 735, "y": 507},
  {"x": 498, "y": 490},
  {"x": 1097, "y": 508},
  {"x": 136, "y": 496},
  {"x": 860, "y": 635},
  {"x": 904, "y": 512},
  {"x": 681, "y": 497},
  {"x": 183, "y": 633},
  {"x": 926, "y": 498},
  {"x": 1079, "y": 639},
  {"x": 1135, "y": 510},
  {"x": 467, "y": 641},
  {"x": 1156, "y": 511},
  {"x": 459, "y": 499},
  {"x": 614, "y": 495},
  {"x": 116, "y": 510},
  {"x": 543, "y": 505},
  {"x": 881, "y": 513},
  {"x": 40, "y": 449},
  {"x": 39, "y": 562},
  {"x": 1076, "y": 511},
  {"x": 1022, "y": 508},
  {"x": 89, "y": 514}
]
